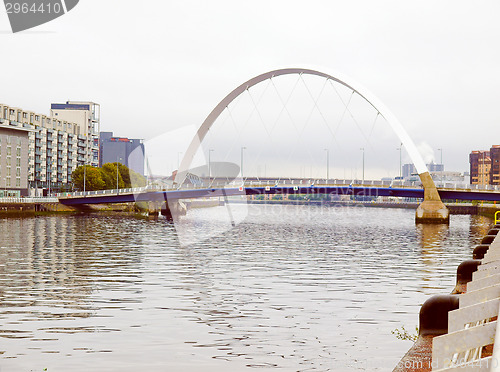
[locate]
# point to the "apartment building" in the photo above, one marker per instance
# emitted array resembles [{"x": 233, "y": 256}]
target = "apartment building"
[
  {"x": 495, "y": 165},
  {"x": 14, "y": 149},
  {"x": 56, "y": 145},
  {"x": 485, "y": 166},
  {"x": 88, "y": 116}
]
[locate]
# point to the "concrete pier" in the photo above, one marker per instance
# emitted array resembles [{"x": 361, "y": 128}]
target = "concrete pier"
[{"x": 432, "y": 209}]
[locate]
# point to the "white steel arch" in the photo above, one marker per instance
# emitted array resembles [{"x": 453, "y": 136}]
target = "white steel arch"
[{"x": 348, "y": 82}]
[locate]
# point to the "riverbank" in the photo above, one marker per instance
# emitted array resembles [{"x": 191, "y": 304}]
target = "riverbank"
[{"x": 43, "y": 209}]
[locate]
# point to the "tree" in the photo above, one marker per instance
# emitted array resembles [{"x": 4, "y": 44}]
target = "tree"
[
  {"x": 105, "y": 178},
  {"x": 92, "y": 176},
  {"x": 110, "y": 174}
]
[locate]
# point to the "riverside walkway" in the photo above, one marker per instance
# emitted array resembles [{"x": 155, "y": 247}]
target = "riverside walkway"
[
  {"x": 458, "y": 332},
  {"x": 473, "y": 342}
]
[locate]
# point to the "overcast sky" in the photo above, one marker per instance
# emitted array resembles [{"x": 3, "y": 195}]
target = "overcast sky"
[{"x": 158, "y": 65}]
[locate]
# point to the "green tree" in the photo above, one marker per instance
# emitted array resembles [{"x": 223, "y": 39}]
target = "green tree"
[
  {"x": 109, "y": 175},
  {"x": 105, "y": 178},
  {"x": 92, "y": 177},
  {"x": 136, "y": 180}
]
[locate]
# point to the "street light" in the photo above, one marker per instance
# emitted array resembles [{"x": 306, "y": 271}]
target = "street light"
[
  {"x": 363, "y": 149},
  {"x": 400, "y": 165},
  {"x": 442, "y": 166},
  {"x": 117, "y": 174},
  {"x": 241, "y": 163},
  {"x": 327, "y": 165},
  {"x": 209, "y": 164}
]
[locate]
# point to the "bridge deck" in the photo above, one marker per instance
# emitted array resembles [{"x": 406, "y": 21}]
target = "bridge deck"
[{"x": 258, "y": 188}]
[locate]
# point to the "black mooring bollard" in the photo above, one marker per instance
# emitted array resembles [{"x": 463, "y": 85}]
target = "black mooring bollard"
[
  {"x": 479, "y": 252},
  {"x": 488, "y": 239},
  {"x": 434, "y": 314},
  {"x": 493, "y": 231},
  {"x": 465, "y": 270}
]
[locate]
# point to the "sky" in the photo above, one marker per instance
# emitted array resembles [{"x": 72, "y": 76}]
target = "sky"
[{"x": 155, "y": 66}]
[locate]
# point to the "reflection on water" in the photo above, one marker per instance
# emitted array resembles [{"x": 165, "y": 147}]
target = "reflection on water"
[{"x": 293, "y": 287}]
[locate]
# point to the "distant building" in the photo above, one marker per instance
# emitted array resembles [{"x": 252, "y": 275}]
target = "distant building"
[
  {"x": 409, "y": 169},
  {"x": 485, "y": 166},
  {"x": 432, "y": 167},
  {"x": 129, "y": 152},
  {"x": 14, "y": 149},
  {"x": 88, "y": 116},
  {"x": 495, "y": 165},
  {"x": 56, "y": 146}
]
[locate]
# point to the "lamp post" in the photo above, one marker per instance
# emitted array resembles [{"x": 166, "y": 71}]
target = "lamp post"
[
  {"x": 84, "y": 176},
  {"x": 241, "y": 160},
  {"x": 363, "y": 149},
  {"x": 442, "y": 166},
  {"x": 327, "y": 165},
  {"x": 209, "y": 164},
  {"x": 117, "y": 174},
  {"x": 400, "y": 159}
]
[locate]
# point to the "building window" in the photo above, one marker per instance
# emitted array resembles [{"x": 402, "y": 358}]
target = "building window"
[
  {"x": 9, "y": 150},
  {"x": 18, "y": 182},
  {"x": 8, "y": 139},
  {"x": 18, "y": 162},
  {"x": 8, "y": 181},
  {"x": 25, "y": 115},
  {"x": 18, "y": 172},
  {"x": 18, "y": 151}
]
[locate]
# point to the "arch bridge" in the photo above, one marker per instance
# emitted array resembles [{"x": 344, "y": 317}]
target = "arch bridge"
[{"x": 431, "y": 210}]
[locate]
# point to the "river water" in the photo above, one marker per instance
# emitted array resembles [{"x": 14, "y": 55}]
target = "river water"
[{"x": 292, "y": 288}]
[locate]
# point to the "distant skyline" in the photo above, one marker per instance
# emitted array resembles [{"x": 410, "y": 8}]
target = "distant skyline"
[{"x": 166, "y": 64}]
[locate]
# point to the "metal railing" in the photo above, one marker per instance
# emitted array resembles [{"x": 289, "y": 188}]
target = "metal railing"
[{"x": 29, "y": 200}]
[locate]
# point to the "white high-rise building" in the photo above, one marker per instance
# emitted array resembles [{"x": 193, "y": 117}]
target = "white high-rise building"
[{"x": 58, "y": 143}]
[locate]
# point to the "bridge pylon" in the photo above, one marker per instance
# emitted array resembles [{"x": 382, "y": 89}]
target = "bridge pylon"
[{"x": 432, "y": 209}]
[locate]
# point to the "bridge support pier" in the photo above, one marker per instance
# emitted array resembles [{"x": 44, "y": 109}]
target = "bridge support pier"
[
  {"x": 153, "y": 209},
  {"x": 432, "y": 209},
  {"x": 173, "y": 208}
]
